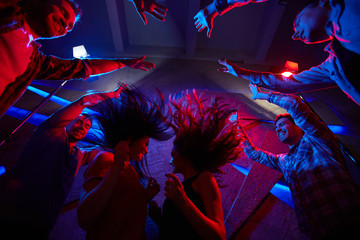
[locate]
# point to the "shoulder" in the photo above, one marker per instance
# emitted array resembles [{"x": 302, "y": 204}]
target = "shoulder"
[
  {"x": 205, "y": 183},
  {"x": 100, "y": 165}
]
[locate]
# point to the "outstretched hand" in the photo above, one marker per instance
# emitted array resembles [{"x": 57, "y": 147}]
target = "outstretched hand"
[
  {"x": 138, "y": 63},
  {"x": 94, "y": 98},
  {"x": 174, "y": 189},
  {"x": 232, "y": 68},
  {"x": 204, "y": 19},
  {"x": 257, "y": 93},
  {"x": 155, "y": 9}
]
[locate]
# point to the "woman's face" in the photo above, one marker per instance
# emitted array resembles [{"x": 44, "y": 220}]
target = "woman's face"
[
  {"x": 177, "y": 161},
  {"x": 138, "y": 148}
]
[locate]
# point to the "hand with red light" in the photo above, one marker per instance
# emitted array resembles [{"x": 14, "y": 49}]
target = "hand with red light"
[
  {"x": 233, "y": 69},
  {"x": 95, "y": 98},
  {"x": 137, "y": 63},
  {"x": 205, "y": 19},
  {"x": 153, "y": 8},
  {"x": 152, "y": 189},
  {"x": 174, "y": 190}
]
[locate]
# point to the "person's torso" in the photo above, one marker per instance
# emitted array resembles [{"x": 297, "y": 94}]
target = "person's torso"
[
  {"x": 15, "y": 53},
  {"x": 174, "y": 223},
  {"x": 125, "y": 215}
]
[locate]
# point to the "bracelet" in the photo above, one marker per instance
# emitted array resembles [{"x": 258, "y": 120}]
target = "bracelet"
[{"x": 221, "y": 6}]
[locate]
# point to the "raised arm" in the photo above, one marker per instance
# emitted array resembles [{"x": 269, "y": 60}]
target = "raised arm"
[
  {"x": 100, "y": 179},
  {"x": 256, "y": 154},
  {"x": 205, "y": 17},
  {"x": 209, "y": 226},
  {"x": 65, "y": 115},
  {"x": 306, "y": 119},
  {"x": 314, "y": 78}
]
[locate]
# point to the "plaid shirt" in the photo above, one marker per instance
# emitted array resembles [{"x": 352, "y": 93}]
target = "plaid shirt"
[{"x": 325, "y": 196}]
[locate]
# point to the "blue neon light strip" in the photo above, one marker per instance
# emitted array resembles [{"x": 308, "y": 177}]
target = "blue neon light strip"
[
  {"x": 19, "y": 113},
  {"x": 2, "y": 170},
  {"x": 280, "y": 190},
  {"x": 56, "y": 99}
]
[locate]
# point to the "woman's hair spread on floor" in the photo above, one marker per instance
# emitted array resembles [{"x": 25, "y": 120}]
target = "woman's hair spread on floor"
[
  {"x": 204, "y": 133},
  {"x": 133, "y": 115}
]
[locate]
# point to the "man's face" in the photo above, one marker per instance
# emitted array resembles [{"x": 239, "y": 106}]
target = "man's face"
[
  {"x": 78, "y": 128},
  {"x": 287, "y": 131},
  {"x": 138, "y": 148},
  {"x": 54, "y": 19},
  {"x": 310, "y": 25}
]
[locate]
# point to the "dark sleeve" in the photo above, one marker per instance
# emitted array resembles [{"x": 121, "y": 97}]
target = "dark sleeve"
[{"x": 54, "y": 68}]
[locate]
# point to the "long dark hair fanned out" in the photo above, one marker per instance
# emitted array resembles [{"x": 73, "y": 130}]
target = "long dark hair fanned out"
[
  {"x": 204, "y": 133},
  {"x": 134, "y": 115}
]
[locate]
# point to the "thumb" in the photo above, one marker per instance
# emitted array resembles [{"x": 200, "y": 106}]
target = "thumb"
[
  {"x": 141, "y": 58},
  {"x": 143, "y": 17},
  {"x": 173, "y": 177},
  {"x": 209, "y": 32}
]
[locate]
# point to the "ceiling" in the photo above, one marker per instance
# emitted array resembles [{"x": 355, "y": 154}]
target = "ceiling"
[{"x": 256, "y": 36}]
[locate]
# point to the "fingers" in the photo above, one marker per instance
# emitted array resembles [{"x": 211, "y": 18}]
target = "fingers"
[
  {"x": 145, "y": 66},
  {"x": 139, "y": 59},
  {"x": 223, "y": 61},
  {"x": 162, "y": 7},
  {"x": 158, "y": 16},
  {"x": 119, "y": 90},
  {"x": 143, "y": 17},
  {"x": 153, "y": 183},
  {"x": 173, "y": 177},
  {"x": 223, "y": 69},
  {"x": 209, "y": 32},
  {"x": 170, "y": 188}
]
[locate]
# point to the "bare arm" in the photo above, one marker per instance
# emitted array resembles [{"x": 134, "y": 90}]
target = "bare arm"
[
  {"x": 65, "y": 115},
  {"x": 256, "y": 154},
  {"x": 96, "y": 192},
  {"x": 209, "y": 226}
]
